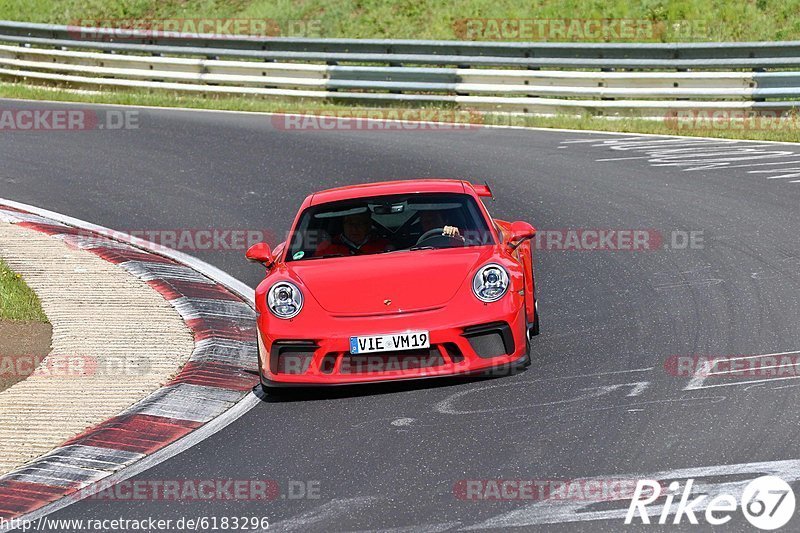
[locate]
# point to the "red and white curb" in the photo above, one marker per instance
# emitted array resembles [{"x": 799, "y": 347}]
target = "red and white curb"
[{"x": 212, "y": 389}]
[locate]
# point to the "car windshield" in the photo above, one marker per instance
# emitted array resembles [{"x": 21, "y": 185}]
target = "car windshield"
[{"x": 382, "y": 224}]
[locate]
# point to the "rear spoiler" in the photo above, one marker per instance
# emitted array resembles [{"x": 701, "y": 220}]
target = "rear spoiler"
[{"x": 484, "y": 191}]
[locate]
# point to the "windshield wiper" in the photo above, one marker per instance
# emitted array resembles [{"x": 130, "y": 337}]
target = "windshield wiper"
[{"x": 414, "y": 248}]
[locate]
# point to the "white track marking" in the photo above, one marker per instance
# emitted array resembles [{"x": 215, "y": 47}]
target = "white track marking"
[
  {"x": 685, "y": 401},
  {"x": 325, "y": 513},
  {"x": 688, "y": 283},
  {"x": 792, "y": 386},
  {"x": 596, "y": 374},
  {"x": 728, "y": 372},
  {"x": 699, "y": 376},
  {"x": 740, "y": 383},
  {"x": 638, "y": 388},
  {"x": 793, "y": 173},
  {"x": 558, "y": 511},
  {"x": 747, "y": 357},
  {"x": 772, "y": 163},
  {"x": 605, "y": 160},
  {"x": 422, "y": 528},
  {"x": 704, "y": 154},
  {"x": 702, "y": 373},
  {"x": 447, "y": 406}
]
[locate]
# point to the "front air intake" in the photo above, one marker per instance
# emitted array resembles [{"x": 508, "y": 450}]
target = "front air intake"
[{"x": 490, "y": 340}]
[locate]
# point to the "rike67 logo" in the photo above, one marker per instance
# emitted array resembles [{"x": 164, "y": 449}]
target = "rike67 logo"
[{"x": 767, "y": 502}]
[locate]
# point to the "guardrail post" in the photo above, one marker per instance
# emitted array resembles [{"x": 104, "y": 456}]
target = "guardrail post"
[{"x": 758, "y": 99}]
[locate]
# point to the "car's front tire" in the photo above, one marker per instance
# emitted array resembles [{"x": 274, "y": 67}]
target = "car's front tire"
[
  {"x": 533, "y": 329},
  {"x": 526, "y": 361}
]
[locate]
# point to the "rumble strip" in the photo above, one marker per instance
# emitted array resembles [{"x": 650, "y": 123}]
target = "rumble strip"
[{"x": 220, "y": 372}]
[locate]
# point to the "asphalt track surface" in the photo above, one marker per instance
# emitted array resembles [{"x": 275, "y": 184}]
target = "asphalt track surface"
[{"x": 597, "y": 400}]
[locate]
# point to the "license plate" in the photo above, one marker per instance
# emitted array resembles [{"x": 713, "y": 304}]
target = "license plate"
[{"x": 411, "y": 340}]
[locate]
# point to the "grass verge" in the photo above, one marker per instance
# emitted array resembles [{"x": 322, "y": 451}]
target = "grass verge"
[
  {"x": 667, "y": 20},
  {"x": 17, "y": 301},
  {"x": 786, "y": 131}
]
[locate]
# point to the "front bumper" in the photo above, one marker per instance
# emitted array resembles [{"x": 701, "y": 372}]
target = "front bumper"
[{"x": 494, "y": 341}]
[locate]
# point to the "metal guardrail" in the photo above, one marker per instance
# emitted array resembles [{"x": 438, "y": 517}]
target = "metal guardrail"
[{"x": 614, "y": 79}]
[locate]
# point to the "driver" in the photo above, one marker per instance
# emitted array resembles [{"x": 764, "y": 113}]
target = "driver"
[
  {"x": 356, "y": 238},
  {"x": 430, "y": 220}
]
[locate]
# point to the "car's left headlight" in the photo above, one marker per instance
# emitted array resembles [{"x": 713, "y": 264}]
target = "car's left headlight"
[
  {"x": 284, "y": 300},
  {"x": 490, "y": 283}
]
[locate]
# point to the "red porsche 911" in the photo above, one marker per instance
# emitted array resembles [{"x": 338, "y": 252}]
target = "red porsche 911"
[{"x": 395, "y": 280}]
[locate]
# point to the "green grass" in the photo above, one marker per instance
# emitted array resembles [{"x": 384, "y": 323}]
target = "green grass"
[
  {"x": 706, "y": 20},
  {"x": 256, "y": 104},
  {"x": 17, "y": 301}
]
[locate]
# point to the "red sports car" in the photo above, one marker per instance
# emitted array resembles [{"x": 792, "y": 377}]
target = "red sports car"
[{"x": 395, "y": 280}]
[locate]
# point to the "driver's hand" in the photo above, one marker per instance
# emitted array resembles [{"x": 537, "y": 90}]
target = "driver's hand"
[{"x": 451, "y": 231}]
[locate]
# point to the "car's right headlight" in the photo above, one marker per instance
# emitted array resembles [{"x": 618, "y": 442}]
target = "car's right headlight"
[
  {"x": 490, "y": 283},
  {"x": 284, "y": 300}
]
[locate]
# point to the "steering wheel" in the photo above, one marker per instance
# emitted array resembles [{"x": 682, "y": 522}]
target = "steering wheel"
[{"x": 436, "y": 233}]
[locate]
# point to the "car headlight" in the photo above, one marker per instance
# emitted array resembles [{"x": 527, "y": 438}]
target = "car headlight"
[
  {"x": 490, "y": 283},
  {"x": 284, "y": 300}
]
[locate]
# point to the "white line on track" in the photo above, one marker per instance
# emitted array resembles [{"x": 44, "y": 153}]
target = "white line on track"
[
  {"x": 691, "y": 155},
  {"x": 448, "y": 405},
  {"x": 596, "y": 374},
  {"x": 702, "y": 374},
  {"x": 793, "y": 161},
  {"x": 709, "y": 480},
  {"x": 422, "y": 528},
  {"x": 325, "y": 513},
  {"x": 607, "y": 159}
]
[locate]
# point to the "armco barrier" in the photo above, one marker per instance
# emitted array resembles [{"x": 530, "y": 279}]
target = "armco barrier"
[{"x": 615, "y": 79}]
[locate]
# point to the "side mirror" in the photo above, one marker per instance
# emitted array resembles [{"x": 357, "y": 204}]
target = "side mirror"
[
  {"x": 260, "y": 253},
  {"x": 520, "y": 232}
]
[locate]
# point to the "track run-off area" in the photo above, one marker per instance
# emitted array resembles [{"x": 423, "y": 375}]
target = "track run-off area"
[{"x": 669, "y": 361}]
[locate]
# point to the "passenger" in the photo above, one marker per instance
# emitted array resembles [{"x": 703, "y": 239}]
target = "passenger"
[{"x": 356, "y": 238}]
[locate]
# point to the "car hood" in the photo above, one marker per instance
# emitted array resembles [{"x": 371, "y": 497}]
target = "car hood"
[{"x": 411, "y": 281}]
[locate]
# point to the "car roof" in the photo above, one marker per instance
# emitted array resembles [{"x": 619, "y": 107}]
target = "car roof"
[{"x": 387, "y": 188}]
